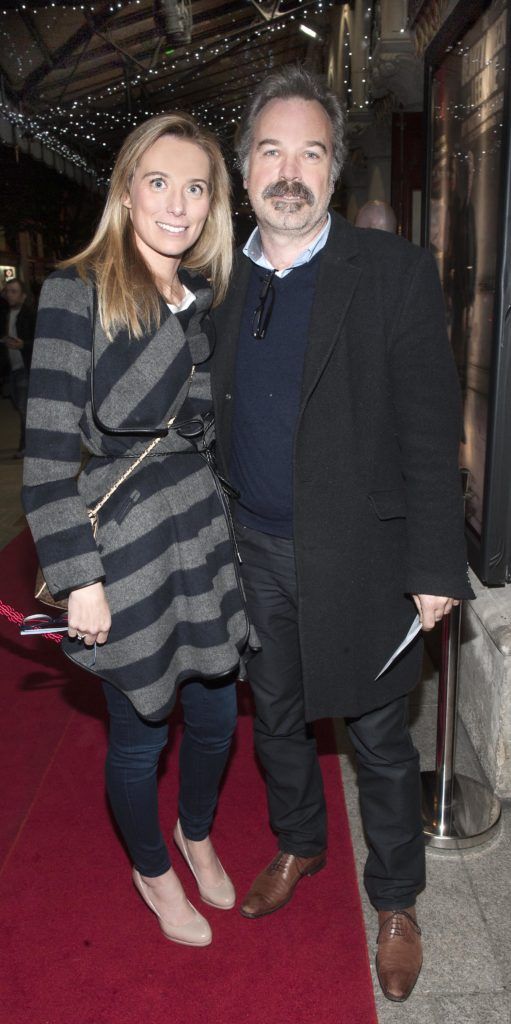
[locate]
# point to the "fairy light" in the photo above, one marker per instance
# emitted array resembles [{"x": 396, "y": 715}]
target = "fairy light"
[{"x": 92, "y": 118}]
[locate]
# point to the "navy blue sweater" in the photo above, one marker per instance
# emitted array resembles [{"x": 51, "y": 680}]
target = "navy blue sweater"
[{"x": 267, "y": 398}]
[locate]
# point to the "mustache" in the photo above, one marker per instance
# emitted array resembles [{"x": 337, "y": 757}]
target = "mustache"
[{"x": 290, "y": 189}]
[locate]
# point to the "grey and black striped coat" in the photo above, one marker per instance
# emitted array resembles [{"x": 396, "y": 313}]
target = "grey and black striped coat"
[{"x": 163, "y": 547}]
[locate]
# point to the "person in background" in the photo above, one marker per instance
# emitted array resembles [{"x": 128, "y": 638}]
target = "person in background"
[
  {"x": 154, "y": 602},
  {"x": 376, "y": 214},
  {"x": 19, "y": 341},
  {"x": 5, "y": 365},
  {"x": 338, "y": 422}
]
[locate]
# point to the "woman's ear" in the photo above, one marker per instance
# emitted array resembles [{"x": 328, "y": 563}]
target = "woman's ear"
[{"x": 126, "y": 200}]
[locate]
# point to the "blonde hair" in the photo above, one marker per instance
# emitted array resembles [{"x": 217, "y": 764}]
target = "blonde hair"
[{"x": 127, "y": 293}]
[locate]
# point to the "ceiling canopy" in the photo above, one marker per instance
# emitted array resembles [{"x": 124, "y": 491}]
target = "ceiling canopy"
[{"x": 80, "y": 75}]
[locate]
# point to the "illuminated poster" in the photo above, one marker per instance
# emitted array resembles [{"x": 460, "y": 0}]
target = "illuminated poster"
[{"x": 468, "y": 101}]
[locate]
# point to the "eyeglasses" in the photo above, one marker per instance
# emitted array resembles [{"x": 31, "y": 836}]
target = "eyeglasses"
[
  {"x": 261, "y": 318},
  {"x": 42, "y": 625},
  {"x": 33, "y": 625}
]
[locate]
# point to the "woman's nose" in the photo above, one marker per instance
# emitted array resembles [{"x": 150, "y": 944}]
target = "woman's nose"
[{"x": 176, "y": 202}]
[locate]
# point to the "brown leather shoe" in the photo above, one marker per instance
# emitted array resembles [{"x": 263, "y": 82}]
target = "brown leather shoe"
[
  {"x": 275, "y": 885},
  {"x": 399, "y": 956}
]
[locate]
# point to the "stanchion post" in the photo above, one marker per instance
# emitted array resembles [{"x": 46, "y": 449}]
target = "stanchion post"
[{"x": 458, "y": 811}]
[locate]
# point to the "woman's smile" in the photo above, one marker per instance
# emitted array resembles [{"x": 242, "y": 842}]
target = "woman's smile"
[{"x": 168, "y": 201}]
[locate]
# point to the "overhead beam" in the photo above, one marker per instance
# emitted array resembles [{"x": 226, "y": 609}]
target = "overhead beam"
[
  {"x": 36, "y": 35},
  {"x": 81, "y": 36},
  {"x": 266, "y": 15},
  {"x": 78, "y": 87},
  {"x": 208, "y": 23},
  {"x": 115, "y": 47},
  {"x": 7, "y": 90},
  {"x": 71, "y": 74}
]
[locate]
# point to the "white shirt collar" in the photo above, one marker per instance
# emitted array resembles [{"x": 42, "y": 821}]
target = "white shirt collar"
[
  {"x": 253, "y": 250},
  {"x": 186, "y": 301}
]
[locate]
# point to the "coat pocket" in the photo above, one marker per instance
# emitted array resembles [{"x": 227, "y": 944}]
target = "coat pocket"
[
  {"x": 388, "y": 504},
  {"x": 126, "y": 506}
]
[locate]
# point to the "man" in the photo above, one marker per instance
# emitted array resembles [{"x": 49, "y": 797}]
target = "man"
[
  {"x": 19, "y": 342},
  {"x": 338, "y": 422},
  {"x": 376, "y": 214}
]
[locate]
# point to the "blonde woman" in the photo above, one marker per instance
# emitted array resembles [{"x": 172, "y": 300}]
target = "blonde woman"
[{"x": 153, "y": 601}]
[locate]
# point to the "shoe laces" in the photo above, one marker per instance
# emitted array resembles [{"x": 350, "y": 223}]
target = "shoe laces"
[
  {"x": 279, "y": 863},
  {"x": 396, "y": 924}
]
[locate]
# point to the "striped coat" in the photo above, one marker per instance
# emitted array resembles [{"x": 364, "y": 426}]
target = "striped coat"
[{"x": 163, "y": 546}]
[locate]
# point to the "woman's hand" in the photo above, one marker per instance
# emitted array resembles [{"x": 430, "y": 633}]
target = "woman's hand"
[{"x": 88, "y": 614}]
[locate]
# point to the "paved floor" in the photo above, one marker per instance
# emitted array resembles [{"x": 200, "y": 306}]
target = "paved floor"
[{"x": 465, "y": 911}]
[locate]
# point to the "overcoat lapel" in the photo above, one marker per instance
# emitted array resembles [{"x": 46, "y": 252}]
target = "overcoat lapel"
[{"x": 338, "y": 277}]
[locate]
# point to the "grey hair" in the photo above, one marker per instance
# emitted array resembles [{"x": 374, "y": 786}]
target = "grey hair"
[{"x": 290, "y": 82}]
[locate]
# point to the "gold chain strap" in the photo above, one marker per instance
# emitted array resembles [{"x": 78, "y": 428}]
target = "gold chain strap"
[{"x": 93, "y": 512}]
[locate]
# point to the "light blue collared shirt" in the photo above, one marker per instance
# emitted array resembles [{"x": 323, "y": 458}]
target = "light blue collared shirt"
[{"x": 253, "y": 250}]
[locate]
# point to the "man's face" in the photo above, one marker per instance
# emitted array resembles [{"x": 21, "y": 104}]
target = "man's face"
[
  {"x": 14, "y": 294},
  {"x": 289, "y": 180}
]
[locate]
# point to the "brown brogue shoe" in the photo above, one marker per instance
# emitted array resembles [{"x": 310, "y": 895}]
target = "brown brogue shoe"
[
  {"x": 275, "y": 885},
  {"x": 399, "y": 956}
]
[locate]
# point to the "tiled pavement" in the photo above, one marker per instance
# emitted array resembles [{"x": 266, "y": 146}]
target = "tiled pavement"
[{"x": 465, "y": 910}]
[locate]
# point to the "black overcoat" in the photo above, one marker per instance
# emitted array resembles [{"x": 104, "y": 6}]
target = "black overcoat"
[{"x": 377, "y": 497}]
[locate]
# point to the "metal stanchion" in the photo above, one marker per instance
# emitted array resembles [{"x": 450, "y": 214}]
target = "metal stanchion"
[{"x": 457, "y": 811}]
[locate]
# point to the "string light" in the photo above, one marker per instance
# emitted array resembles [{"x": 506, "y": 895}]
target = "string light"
[
  {"x": 92, "y": 118},
  {"x": 90, "y": 121}
]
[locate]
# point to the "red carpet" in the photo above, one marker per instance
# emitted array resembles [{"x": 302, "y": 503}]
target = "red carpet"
[{"x": 79, "y": 946}]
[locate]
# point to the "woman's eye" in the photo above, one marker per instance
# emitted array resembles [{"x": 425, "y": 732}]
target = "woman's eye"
[
  {"x": 158, "y": 184},
  {"x": 196, "y": 190}
]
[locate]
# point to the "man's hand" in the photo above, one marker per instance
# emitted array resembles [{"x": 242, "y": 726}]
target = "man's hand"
[
  {"x": 88, "y": 614},
  {"x": 13, "y": 342},
  {"x": 432, "y": 609}
]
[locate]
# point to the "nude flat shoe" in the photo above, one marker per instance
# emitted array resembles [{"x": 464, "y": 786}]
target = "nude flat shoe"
[
  {"x": 221, "y": 896},
  {"x": 196, "y": 932}
]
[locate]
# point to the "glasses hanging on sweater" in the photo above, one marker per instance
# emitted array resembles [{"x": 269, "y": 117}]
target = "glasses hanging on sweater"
[{"x": 262, "y": 314}]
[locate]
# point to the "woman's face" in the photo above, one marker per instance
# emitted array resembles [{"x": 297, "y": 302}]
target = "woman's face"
[{"x": 168, "y": 200}]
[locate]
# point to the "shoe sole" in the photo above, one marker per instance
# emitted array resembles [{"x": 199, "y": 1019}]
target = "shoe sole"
[{"x": 264, "y": 913}]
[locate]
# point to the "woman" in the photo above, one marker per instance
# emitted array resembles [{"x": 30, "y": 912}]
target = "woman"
[{"x": 156, "y": 591}]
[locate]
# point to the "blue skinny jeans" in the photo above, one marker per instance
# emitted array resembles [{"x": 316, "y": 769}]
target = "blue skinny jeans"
[{"x": 135, "y": 745}]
